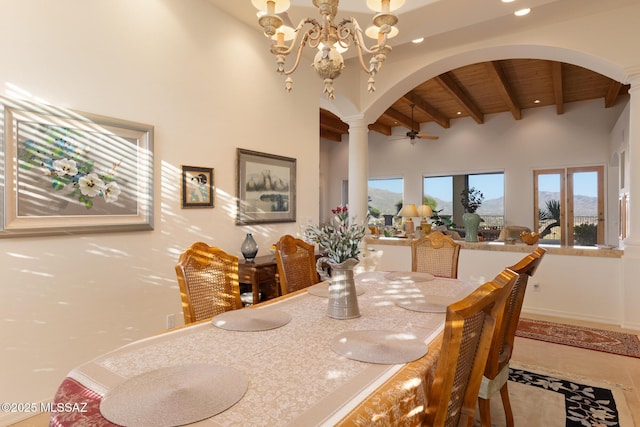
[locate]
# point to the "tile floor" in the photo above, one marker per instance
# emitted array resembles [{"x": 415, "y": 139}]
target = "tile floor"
[{"x": 621, "y": 370}]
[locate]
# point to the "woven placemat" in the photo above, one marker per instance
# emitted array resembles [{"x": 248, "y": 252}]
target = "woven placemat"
[
  {"x": 426, "y": 304},
  {"x": 251, "y": 320},
  {"x": 379, "y": 346},
  {"x": 409, "y": 276},
  {"x": 322, "y": 290},
  {"x": 174, "y": 396}
]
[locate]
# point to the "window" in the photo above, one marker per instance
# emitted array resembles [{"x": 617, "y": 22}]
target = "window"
[
  {"x": 385, "y": 196},
  {"x": 569, "y": 205},
  {"x": 492, "y": 208},
  {"x": 442, "y": 193}
]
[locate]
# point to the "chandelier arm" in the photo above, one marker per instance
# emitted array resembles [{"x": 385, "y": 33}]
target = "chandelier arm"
[
  {"x": 357, "y": 33},
  {"x": 358, "y": 41},
  {"x": 303, "y": 43},
  {"x": 283, "y": 49},
  {"x": 344, "y": 35}
]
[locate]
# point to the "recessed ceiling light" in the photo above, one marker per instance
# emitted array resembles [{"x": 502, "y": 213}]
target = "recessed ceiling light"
[
  {"x": 522, "y": 12},
  {"x": 418, "y": 40},
  {"x": 459, "y": 113},
  {"x": 537, "y": 101},
  {"x": 508, "y": 1}
]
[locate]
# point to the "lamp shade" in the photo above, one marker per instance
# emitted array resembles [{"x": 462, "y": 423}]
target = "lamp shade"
[
  {"x": 384, "y": 6},
  {"x": 425, "y": 211},
  {"x": 279, "y": 5},
  {"x": 408, "y": 211}
]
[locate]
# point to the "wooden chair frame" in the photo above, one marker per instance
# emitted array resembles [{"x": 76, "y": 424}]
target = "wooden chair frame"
[
  {"x": 208, "y": 280},
  {"x": 467, "y": 335},
  {"x": 497, "y": 370},
  {"x": 296, "y": 261},
  {"x": 445, "y": 253}
]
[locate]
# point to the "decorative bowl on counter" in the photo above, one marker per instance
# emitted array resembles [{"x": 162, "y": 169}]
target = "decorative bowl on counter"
[{"x": 530, "y": 238}]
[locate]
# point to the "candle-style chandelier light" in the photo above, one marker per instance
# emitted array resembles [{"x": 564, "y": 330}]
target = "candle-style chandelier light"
[{"x": 330, "y": 39}]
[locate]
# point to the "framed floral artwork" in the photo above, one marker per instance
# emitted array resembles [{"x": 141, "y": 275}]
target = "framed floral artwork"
[
  {"x": 73, "y": 172},
  {"x": 197, "y": 187},
  {"x": 266, "y": 188}
]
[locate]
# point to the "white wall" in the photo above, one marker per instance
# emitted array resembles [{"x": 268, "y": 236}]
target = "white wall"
[
  {"x": 64, "y": 300},
  {"x": 568, "y": 286}
]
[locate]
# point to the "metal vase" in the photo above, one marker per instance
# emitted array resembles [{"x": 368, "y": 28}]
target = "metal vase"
[{"x": 343, "y": 300}]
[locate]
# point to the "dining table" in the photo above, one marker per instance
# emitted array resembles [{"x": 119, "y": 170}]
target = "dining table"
[{"x": 283, "y": 362}]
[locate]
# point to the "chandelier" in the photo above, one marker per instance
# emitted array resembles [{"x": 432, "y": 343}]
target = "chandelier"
[{"x": 330, "y": 39}]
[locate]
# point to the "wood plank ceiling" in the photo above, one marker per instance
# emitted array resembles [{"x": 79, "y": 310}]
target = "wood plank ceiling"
[{"x": 476, "y": 90}]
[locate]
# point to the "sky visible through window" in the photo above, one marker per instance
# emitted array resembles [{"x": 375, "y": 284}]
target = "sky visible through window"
[
  {"x": 390, "y": 184},
  {"x": 584, "y": 183},
  {"x": 441, "y": 187}
]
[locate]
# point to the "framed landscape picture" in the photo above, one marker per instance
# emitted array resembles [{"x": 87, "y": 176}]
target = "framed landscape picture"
[
  {"x": 197, "y": 187},
  {"x": 266, "y": 188},
  {"x": 73, "y": 172}
]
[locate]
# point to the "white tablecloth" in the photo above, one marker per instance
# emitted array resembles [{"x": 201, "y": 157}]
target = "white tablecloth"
[{"x": 295, "y": 377}]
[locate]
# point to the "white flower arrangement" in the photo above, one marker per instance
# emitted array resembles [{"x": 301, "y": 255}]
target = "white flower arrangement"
[{"x": 339, "y": 238}]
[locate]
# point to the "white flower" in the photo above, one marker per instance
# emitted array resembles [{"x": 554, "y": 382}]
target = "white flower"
[
  {"x": 91, "y": 185},
  {"x": 65, "y": 167},
  {"x": 111, "y": 192}
]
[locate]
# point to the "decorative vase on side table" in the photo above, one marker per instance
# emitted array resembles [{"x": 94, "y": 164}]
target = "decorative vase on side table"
[{"x": 249, "y": 248}]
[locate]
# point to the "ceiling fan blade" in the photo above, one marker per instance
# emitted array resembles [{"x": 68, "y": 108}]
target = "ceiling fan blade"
[
  {"x": 427, "y": 136},
  {"x": 397, "y": 137}
]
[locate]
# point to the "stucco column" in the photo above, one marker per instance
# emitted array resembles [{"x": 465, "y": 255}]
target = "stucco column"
[{"x": 358, "y": 167}]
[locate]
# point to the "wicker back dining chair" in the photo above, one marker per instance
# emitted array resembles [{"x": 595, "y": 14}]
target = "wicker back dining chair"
[
  {"x": 296, "y": 261},
  {"x": 435, "y": 253},
  {"x": 467, "y": 335},
  {"x": 208, "y": 279},
  {"x": 496, "y": 372}
]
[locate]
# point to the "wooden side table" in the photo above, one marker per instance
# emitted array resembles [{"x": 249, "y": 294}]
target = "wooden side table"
[{"x": 257, "y": 273}]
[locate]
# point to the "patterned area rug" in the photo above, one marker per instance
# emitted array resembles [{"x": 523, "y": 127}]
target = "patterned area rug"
[
  {"x": 584, "y": 405},
  {"x": 577, "y": 336},
  {"x": 547, "y": 398}
]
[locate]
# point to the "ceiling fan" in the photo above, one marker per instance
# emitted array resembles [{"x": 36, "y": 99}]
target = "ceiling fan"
[{"x": 414, "y": 134}]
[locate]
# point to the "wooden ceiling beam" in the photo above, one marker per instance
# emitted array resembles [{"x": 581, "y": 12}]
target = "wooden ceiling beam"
[
  {"x": 427, "y": 109},
  {"x": 558, "y": 93},
  {"x": 448, "y": 84},
  {"x": 400, "y": 118},
  {"x": 496, "y": 73},
  {"x": 334, "y": 124},
  {"x": 612, "y": 94},
  {"x": 330, "y": 135},
  {"x": 380, "y": 128}
]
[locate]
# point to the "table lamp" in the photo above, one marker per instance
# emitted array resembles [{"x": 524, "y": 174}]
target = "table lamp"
[
  {"x": 408, "y": 212},
  {"x": 425, "y": 211}
]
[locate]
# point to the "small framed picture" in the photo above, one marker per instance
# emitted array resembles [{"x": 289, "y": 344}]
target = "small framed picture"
[{"x": 197, "y": 187}]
